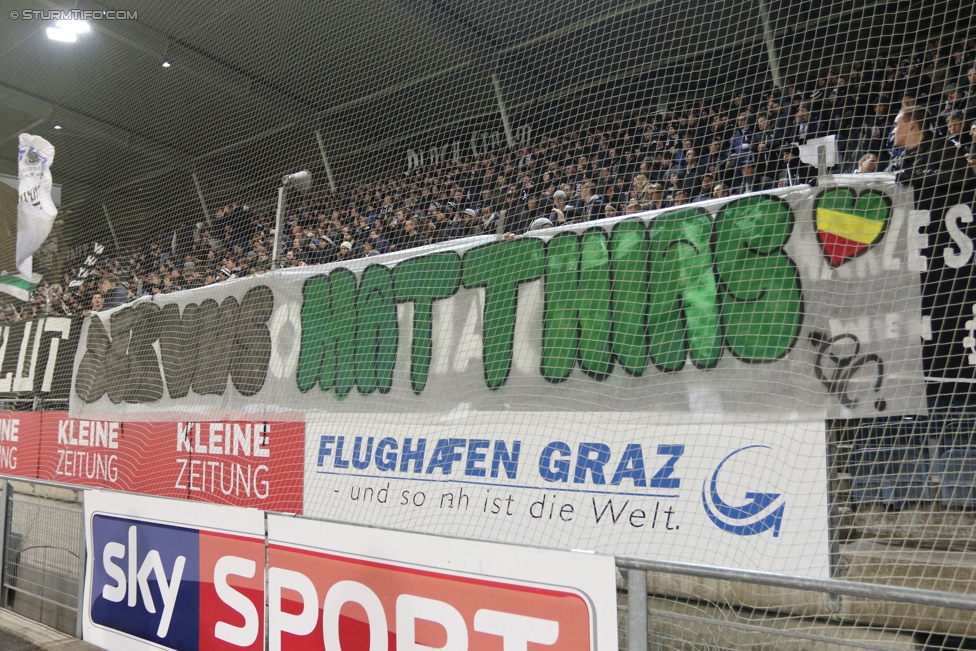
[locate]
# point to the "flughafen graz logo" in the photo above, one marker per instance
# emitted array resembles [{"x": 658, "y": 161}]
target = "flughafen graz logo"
[{"x": 761, "y": 512}]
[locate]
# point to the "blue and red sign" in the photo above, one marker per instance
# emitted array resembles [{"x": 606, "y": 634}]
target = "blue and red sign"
[{"x": 177, "y": 587}]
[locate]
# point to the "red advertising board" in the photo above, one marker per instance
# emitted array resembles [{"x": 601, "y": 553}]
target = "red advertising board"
[
  {"x": 334, "y": 586},
  {"x": 20, "y": 439},
  {"x": 236, "y": 463}
]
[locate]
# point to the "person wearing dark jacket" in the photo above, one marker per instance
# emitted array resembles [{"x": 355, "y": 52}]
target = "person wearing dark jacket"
[
  {"x": 592, "y": 203},
  {"x": 926, "y": 162},
  {"x": 113, "y": 293},
  {"x": 520, "y": 219},
  {"x": 792, "y": 169}
]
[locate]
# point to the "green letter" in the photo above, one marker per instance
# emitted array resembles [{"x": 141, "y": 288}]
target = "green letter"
[
  {"x": 499, "y": 268},
  {"x": 328, "y": 333},
  {"x": 683, "y": 313},
  {"x": 376, "y": 330},
  {"x": 423, "y": 281},
  {"x": 628, "y": 266},
  {"x": 761, "y": 302},
  {"x": 577, "y": 316}
]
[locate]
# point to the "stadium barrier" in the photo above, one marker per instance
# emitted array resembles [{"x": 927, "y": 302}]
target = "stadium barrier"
[
  {"x": 665, "y": 623},
  {"x": 582, "y": 386}
]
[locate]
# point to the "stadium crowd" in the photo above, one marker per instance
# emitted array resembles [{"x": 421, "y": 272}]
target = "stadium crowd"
[{"x": 914, "y": 115}]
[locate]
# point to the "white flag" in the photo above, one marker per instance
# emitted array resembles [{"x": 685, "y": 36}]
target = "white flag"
[
  {"x": 808, "y": 152},
  {"x": 35, "y": 208}
]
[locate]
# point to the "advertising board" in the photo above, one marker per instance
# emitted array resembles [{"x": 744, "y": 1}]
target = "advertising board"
[
  {"x": 164, "y": 574},
  {"x": 699, "y": 489}
]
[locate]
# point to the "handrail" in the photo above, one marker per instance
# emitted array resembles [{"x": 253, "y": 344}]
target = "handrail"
[{"x": 916, "y": 596}]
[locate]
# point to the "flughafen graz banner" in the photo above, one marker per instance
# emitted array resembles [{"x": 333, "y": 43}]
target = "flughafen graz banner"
[{"x": 804, "y": 302}]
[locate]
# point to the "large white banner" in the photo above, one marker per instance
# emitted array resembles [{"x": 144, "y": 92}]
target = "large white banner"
[
  {"x": 801, "y": 301},
  {"x": 329, "y": 582},
  {"x": 35, "y": 207},
  {"x": 707, "y": 490}
]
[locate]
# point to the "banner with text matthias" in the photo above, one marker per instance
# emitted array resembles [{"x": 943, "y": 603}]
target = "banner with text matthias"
[{"x": 796, "y": 301}]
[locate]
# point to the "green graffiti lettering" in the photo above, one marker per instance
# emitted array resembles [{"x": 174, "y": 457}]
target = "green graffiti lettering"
[
  {"x": 577, "y": 317},
  {"x": 377, "y": 331},
  {"x": 328, "y": 333},
  {"x": 628, "y": 269},
  {"x": 500, "y": 268},
  {"x": 423, "y": 281},
  {"x": 761, "y": 304},
  {"x": 683, "y": 311}
]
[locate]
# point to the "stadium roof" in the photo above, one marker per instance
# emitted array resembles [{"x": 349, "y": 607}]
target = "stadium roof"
[{"x": 251, "y": 82}]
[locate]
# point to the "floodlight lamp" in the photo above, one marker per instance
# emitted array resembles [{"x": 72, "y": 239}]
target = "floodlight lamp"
[
  {"x": 62, "y": 35},
  {"x": 76, "y": 26}
]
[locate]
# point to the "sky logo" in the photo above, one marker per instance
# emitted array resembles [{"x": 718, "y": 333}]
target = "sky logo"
[
  {"x": 761, "y": 513},
  {"x": 178, "y": 588},
  {"x": 146, "y": 576}
]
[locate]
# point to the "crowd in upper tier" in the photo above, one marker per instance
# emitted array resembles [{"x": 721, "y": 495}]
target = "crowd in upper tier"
[{"x": 608, "y": 166}]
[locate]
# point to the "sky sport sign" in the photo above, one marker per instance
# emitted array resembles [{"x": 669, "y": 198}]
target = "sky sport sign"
[
  {"x": 165, "y": 575},
  {"x": 737, "y": 307}
]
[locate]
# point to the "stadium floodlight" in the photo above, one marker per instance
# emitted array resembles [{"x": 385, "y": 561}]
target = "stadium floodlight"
[
  {"x": 62, "y": 35},
  {"x": 301, "y": 181},
  {"x": 76, "y": 26}
]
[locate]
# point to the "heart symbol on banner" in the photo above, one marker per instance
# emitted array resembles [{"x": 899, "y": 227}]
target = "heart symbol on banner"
[{"x": 848, "y": 224}]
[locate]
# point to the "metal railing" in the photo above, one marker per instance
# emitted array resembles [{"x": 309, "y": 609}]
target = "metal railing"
[
  {"x": 43, "y": 553},
  {"x": 42, "y": 571},
  {"x": 653, "y": 628}
]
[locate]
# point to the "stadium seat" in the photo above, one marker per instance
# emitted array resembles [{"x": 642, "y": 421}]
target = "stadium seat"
[
  {"x": 957, "y": 469},
  {"x": 891, "y": 476}
]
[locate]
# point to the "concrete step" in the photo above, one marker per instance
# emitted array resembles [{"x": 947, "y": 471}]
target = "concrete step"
[
  {"x": 21, "y": 634},
  {"x": 926, "y": 525},
  {"x": 698, "y": 626},
  {"x": 868, "y": 561}
]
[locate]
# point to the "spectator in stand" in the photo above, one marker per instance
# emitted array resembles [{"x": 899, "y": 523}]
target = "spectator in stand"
[
  {"x": 707, "y": 189},
  {"x": 412, "y": 238},
  {"x": 925, "y": 162},
  {"x": 804, "y": 127},
  {"x": 592, "y": 207},
  {"x": 763, "y": 142},
  {"x": 113, "y": 293},
  {"x": 874, "y": 133},
  {"x": 970, "y": 113},
  {"x": 954, "y": 132},
  {"x": 741, "y": 143},
  {"x": 867, "y": 164},
  {"x": 713, "y": 162},
  {"x": 969, "y": 143},
  {"x": 656, "y": 200},
  {"x": 792, "y": 168},
  {"x": 97, "y": 304},
  {"x": 747, "y": 181}
]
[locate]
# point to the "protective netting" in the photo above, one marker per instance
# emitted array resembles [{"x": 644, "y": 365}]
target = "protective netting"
[{"x": 680, "y": 280}]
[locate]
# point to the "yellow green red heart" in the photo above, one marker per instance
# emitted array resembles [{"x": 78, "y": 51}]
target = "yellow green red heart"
[{"x": 847, "y": 226}]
